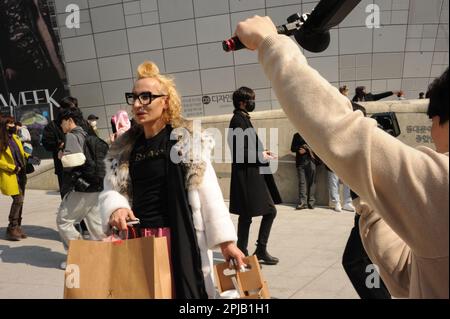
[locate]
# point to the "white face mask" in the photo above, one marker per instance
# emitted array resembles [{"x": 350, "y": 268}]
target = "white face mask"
[{"x": 93, "y": 123}]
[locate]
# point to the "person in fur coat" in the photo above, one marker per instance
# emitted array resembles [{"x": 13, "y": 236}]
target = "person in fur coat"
[{"x": 151, "y": 175}]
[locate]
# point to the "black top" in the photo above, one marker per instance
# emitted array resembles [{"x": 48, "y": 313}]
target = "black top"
[
  {"x": 245, "y": 145},
  {"x": 148, "y": 176},
  {"x": 252, "y": 193},
  {"x": 297, "y": 143}
]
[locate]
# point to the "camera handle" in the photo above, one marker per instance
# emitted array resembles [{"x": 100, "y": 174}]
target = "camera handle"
[{"x": 294, "y": 24}]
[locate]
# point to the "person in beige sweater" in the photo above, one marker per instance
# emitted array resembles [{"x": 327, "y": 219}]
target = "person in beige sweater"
[{"x": 404, "y": 191}]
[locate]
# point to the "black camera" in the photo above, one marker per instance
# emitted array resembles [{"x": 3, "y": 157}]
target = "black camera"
[
  {"x": 79, "y": 183},
  {"x": 388, "y": 122}
]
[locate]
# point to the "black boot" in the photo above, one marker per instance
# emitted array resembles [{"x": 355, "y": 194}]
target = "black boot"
[
  {"x": 243, "y": 232},
  {"x": 21, "y": 231},
  {"x": 264, "y": 257}
]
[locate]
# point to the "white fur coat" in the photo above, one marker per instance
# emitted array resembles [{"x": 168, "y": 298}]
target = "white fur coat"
[{"x": 211, "y": 217}]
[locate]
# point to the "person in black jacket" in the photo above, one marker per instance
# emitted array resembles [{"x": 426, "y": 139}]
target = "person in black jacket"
[
  {"x": 362, "y": 96},
  {"x": 53, "y": 141},
  {"x": 305, "y": 161},
  {"x": 251, "y": 192}
]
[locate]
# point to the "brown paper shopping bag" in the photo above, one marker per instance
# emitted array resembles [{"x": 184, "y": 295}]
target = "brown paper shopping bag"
[
  {"x": 249, "y": 284},
  {"x": 129, "y": 269}
]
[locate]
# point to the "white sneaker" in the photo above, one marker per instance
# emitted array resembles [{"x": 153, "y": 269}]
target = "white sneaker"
[
  {"x": 349, "y": 207},
  {"x": 63, "y": 265},
  {"x": 337, "y": 207}
]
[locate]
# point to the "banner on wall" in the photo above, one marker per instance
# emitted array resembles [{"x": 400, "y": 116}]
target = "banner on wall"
[
  {"x": 35, "y": 118},
  {"x": 31, "y": 67}
]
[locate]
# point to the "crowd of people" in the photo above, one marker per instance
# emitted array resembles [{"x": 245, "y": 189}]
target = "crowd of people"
[{"x": 398, "y": 193}]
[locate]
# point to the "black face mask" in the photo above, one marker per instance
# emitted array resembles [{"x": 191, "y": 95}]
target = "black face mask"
[
  {"x": 250, "y": 106},
  {"x": 11, "y": 130}
]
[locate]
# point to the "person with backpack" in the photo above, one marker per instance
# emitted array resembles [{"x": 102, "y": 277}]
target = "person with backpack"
[
  {"x": 82, "y": 160},
  {"x": 53, "y": 138}
]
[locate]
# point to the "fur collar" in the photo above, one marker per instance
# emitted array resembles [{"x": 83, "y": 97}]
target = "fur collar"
[{"x": 193, "y": 150}]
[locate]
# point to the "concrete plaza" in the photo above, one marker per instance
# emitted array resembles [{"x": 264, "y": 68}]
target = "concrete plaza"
[{"x": 309, "y": 244}]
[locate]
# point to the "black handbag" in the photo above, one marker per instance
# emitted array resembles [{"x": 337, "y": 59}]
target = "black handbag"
[{"x": 29, "y": 168}]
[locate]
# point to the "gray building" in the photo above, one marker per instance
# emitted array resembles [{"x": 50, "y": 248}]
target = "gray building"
[{"x": 184, "y": 38}]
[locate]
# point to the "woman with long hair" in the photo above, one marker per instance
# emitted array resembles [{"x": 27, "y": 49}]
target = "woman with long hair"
[
  {"x": 151, "y": 175},
  {"x": 13, "y": 176}
]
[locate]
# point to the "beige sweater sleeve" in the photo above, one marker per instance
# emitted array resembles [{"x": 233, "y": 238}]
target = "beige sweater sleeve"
[
  {"x": 391, "y": 254},
  {"x": 408, "y": 187}
]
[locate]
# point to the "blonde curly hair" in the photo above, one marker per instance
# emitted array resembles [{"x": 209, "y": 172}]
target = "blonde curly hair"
[{"x": 173, "y": 115}]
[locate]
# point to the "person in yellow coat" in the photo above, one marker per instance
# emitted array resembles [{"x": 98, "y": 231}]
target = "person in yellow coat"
[{"x": 13, "y": 176}]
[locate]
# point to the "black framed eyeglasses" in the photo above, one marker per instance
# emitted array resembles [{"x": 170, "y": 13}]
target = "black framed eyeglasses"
[{"x": 146, "y": 98}]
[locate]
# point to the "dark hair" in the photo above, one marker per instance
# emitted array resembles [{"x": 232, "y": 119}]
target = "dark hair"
[
  {"x": 19, "y": 123},
  {"x": 3, "y": 132},
  {"x": 70, "y": 113},
  {"x": 68, "y": 102},
  {"x": 358, "y": 107},
  {"x": 439, "y": 101},
  {"x": 421, "y": 94},
  {"x": 359, "y": 94},
  {"x": 359, "y": 91},
  {"x": 243, "y": 94}
]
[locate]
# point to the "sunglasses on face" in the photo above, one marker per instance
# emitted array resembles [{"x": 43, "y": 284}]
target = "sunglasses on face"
[{"x": 145, "y": 98}]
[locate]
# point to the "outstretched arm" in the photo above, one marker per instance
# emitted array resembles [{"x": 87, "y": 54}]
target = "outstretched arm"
[{"x": 392, "y": 177}]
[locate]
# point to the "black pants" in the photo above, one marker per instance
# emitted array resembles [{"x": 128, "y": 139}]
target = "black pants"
[
  {"x": 307, "y": 182},
  {"x": 355, "y": 261},
  {"x": 264, "y": 230},
  {"x": 15, "y": 213}
]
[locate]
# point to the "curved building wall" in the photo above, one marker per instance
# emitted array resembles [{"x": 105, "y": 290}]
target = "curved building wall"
[{"x": 184, "y": 38}]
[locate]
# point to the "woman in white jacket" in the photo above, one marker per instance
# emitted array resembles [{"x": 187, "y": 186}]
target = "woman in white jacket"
[{"x": 152, "y": 175}]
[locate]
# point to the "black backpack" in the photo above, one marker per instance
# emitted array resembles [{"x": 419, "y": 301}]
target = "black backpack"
[{"x": 94, "y": 171}]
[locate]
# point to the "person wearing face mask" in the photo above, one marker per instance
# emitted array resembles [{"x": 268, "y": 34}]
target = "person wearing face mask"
[
  {"x": 92, "y": 119},
  {"x": 80, "y": 201},
  {"x": 403, "y": 191},
  {"x": 53, "y": 138},
  {"x": 12, "y": 175},
  {"x": 251, "y": 193}
]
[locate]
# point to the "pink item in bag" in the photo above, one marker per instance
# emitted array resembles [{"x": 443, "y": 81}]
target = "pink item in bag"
[{"x": 122, "y": 122}]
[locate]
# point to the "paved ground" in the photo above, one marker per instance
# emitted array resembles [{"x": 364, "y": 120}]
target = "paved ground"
[{"x": 308, "y": 243}]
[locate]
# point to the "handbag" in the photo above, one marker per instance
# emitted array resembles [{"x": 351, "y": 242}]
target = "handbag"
[
  {"x": 123, "y": 269},
  {"x": 31, "y": 161},
  {"x": 29, "y": 168},
  {"x": 241, "y": 284}
]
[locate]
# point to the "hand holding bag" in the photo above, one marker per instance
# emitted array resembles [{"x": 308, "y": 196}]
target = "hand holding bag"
[
  {"x": 124, "y": 269},
  {"x": 249, "y": 283}
]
